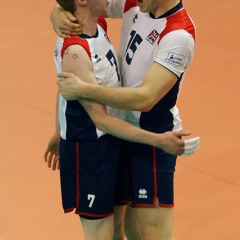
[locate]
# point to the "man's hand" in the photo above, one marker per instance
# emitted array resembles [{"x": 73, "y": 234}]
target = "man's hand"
[
  {"x": 51, "y": 155},
  {"x": 64, "y": 23},
  {"x": 174, "y": 145},
  {"x": 72, "y": 87}
]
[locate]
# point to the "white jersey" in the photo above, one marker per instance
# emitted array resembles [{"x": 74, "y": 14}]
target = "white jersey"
[
  {"x": 75, "y": 124},
  {"x": 168, "y": 40}
]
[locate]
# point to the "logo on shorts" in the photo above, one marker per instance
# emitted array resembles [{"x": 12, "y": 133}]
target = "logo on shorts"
[
  {"x": 175, "y": 59},
  {"x": 142, "y": 193}
]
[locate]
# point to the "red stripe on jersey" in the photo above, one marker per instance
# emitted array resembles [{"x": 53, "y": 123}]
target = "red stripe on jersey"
[
  {"x": 75, "y": 40},
  {"x": 102, "y": 22},
  {"x": 178, "y": 21},
  {"x": 130, "y": 4}
]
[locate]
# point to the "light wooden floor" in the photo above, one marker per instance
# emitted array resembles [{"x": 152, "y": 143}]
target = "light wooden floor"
[{"x": 207, "y": 188}]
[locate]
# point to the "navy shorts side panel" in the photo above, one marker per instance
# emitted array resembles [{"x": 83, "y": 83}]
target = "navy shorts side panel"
[
  {"x": 152, "y": 172},
  {"x": 88, "y": 173}
]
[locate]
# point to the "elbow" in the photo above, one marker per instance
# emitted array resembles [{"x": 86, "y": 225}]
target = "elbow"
[
  {"x": 101, "y": 125},
  {"x": 145, "y": 105},
  {"x": 146, "y": 108}
]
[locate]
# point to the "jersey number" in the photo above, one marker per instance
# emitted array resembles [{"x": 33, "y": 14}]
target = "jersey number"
[
  {"x": 133, "y": 43},
  {"x": 91, "y": 198},
  {"x": 111, "y": 58}
]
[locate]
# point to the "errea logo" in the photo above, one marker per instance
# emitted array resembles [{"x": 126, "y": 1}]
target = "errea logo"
[
  {"x": 98, "y": 59},
  {"x": 142, "y": 193}
]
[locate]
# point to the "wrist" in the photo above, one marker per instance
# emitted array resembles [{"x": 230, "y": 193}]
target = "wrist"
[{"x": 158, "y": 140}]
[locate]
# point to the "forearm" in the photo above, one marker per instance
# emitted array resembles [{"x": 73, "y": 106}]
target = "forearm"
[
  {"x": 121, "y": 98},
  {"x": 127, "y": 131}
]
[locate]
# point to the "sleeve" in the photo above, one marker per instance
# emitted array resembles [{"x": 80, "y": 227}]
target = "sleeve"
[
  {"x": 74, "y": 40},
  {"x": 102, "y": 22},
  {"x": 116, "y": 8},
  {"x": 175, "y": 51}
]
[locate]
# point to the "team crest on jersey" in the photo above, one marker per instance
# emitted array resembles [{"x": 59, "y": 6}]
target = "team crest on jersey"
[
  {"x": 56, "y": 53},
  {"x": 97, "y": 58},
  {"x": 175, "y": 59},
  {"x": 152, "y": 37},
  {"x": 106, "y": 37},
  {"x": 135, "y": 18}
]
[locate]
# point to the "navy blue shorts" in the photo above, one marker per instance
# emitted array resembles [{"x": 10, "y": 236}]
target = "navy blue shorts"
[
  {"x": 145, "y": 174},
  {"x": 88, "y": 172}
]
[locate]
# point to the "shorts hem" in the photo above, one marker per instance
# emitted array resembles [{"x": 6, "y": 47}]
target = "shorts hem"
[
  {"x": 152, "y": 205},
  {"x": 93, "y": 216},
  {"x": 88, "y": 215},
  {"x": 123, "y": 202},
  {"x": 167, "y": 205}
]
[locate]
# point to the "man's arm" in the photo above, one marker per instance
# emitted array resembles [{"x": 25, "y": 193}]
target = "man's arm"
[
  {"x": 64, "y": 23},
  {"x": 139, "y": 99},
  {"x": 51, "y": 154},
  {"x": 77, "y": 61}
]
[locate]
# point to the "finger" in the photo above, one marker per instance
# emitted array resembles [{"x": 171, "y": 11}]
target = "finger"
[
  {"x": 63, "y": 75},
  {"x": 182, "y": 134},
  {"x": 50, "y": 157},
  {"x": 58, "y": 165},
  {"x": 188, "y": 153},
  {"x": 71, "y": 17},
  {"x": 63, "y": 35},
  {"x": 191, "y": 151},
  {"x": 191, "y": 147},
  {"x": 70, "y": 26},
  {"x": 45, "y": 156},
  {"x": 55, "y": 160},
  {"x": 192, "y": 140}
]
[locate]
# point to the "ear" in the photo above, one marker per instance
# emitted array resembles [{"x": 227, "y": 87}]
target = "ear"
[{"x": 81, "y": 2}]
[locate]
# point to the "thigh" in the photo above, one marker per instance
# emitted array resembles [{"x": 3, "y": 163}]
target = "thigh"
[
  {"x": 101, "y": 229},
  {"x": 92, "y": 170},
  {"x": 156, "y": 222},
  {"x": 119, "y": 214}
]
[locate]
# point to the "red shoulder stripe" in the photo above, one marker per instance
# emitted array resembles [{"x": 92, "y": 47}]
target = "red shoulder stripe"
[
  {"x": 178, "y": 21},
  {"x": 130, "y": 4},
  {"x": 102, "y": 22},
  {"x": 78, "y": 41}
]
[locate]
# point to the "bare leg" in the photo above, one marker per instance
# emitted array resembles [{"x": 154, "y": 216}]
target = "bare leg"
[
  {"x": 132, "y": 227},
  {"x": 156, "y": 223},
  {"x": 119, "y": 213},
  {"x": 101, "y": 229}
]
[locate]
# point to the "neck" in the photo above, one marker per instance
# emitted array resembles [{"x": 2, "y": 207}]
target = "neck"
[
  {"x": 164, "y": 7},
  {"x": 87, "y": 21}
]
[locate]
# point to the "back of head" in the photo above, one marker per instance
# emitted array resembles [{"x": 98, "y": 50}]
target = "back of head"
[{"x": 67, "y": 5}]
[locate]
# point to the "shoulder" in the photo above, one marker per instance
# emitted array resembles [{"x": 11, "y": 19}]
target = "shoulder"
[
  {"x": 103, "y": 23},
  {"x": 75, "y": 43},
  {"x": 179, "y": 21}
]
